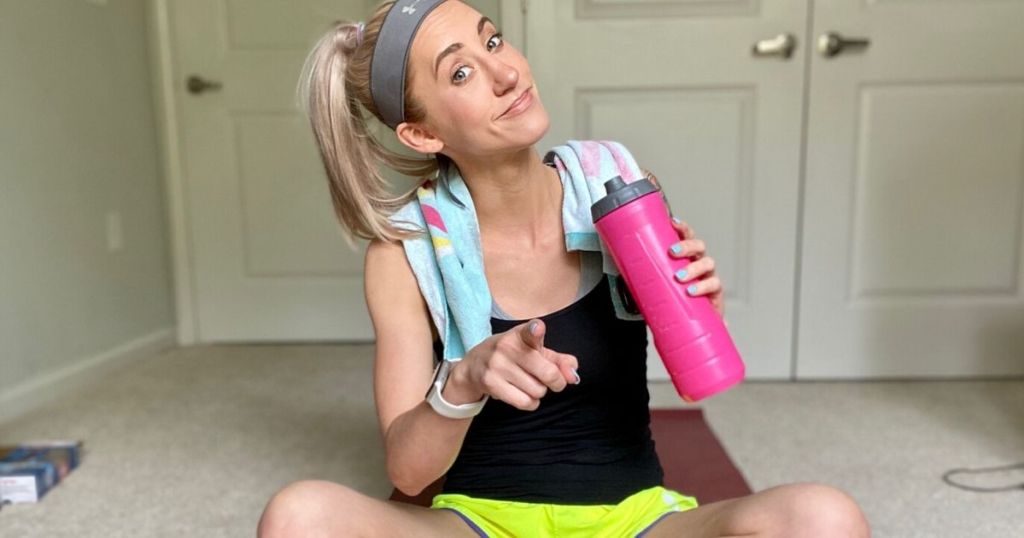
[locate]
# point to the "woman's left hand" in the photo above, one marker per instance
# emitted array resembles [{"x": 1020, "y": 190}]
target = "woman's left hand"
[{"x": 701, "y": 266}]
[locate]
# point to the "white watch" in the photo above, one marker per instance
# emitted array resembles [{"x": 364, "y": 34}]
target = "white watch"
[{"x": 442, "y": 406}]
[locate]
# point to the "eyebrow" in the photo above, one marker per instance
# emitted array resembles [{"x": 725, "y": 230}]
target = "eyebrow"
[{"x": 456, "y": 46}]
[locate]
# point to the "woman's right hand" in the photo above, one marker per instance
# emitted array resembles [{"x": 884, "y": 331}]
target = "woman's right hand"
[{"x": 514, "y": 367}]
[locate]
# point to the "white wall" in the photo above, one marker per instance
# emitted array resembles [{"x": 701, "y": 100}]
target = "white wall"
[{"x": 77, "y": 140}]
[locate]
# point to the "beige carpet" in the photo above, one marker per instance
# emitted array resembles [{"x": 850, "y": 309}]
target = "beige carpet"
[{"x": 193, "y": 443}]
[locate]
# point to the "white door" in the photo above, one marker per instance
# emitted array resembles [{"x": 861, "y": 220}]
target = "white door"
[
  {"x": 268, "y": 260},
  {"x": 915, "y": 175},
  {"x": 677, "y": 83}
]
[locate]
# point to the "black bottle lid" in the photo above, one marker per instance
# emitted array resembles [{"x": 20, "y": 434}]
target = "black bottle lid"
[{"x": 620, "y": 193}]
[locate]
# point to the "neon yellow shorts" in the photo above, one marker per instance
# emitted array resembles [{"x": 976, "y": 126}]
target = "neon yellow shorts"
[{"x": 511, "y": 519}]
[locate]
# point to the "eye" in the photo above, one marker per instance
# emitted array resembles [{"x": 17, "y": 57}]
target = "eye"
[
  {"x": 497, "y": 40},
  {"x": 455, "y": 77},
  {"x": 499, "y": 37}
]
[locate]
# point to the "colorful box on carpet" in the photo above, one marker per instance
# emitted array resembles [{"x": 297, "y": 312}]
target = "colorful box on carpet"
[
  {"x": 29, "y": 470},
  {"x": 26, "y": 481}
]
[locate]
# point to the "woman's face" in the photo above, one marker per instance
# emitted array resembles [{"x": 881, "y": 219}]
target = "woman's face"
[{"x": 467, "y": 78}]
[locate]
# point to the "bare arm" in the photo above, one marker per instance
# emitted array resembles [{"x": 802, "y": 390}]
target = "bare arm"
[
  {"x": 420, "y": 444},
  {"x": 513, "y": 366}
]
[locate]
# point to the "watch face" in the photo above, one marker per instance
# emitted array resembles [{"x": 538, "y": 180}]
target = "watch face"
[{"x": 440, "y": 376}]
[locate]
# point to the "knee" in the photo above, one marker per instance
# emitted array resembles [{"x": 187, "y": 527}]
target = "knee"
[
  {"x": 812, "y": 509},
  {"x": 302, "y": 508}
]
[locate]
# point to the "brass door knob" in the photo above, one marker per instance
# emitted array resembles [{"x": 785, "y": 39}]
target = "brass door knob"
[
  {"x": 832, "y": 43},
  {"x": 197, "y": 85},
  {"x": 781, "y": 45}
]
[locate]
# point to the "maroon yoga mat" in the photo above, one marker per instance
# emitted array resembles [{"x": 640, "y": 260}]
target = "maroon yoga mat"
[{"x": 694, "y": 461}]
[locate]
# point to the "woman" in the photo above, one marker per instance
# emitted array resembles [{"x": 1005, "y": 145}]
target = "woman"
[{"x": 564, "y": 447}]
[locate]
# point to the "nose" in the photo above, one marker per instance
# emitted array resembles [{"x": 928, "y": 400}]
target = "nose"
[{"x": 506, "y": 77}]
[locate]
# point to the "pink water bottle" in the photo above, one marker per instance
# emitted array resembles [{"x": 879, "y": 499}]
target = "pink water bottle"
[{"x": 633, "y": 221}]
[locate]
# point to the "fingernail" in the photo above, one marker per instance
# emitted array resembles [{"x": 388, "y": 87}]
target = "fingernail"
[
  {"x": 575, "y": 373},
  {"x": 677, "y": 249},
  {"x": 533, "y": 327},
  {"x": 676, "y": 220},
  {"x": 681, "y": 275},
  {"x": 692, "y": 289}
]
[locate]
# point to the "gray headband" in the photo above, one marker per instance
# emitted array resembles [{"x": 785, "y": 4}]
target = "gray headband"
[{"x": 387, "y": 68}]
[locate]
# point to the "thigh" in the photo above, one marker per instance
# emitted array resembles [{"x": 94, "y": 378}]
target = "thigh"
[
  {"x": 790, "y": 510},
  {"x": 705, "y": 521},
  {"x": 313, "y": 508}
]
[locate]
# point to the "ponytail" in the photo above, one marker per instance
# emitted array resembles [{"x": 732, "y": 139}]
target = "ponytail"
[{"x": 333, "y": 90}]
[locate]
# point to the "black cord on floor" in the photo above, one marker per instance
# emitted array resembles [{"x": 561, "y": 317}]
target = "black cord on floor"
[{"x": 947, "y": 474}]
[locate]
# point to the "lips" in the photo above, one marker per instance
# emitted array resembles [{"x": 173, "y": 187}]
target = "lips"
[{"x": 517, "y": 102}]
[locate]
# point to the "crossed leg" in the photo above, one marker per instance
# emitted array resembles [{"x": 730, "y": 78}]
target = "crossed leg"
[
  {"x": 317, "y": 508},
  {"x": 799, "y": 510}
]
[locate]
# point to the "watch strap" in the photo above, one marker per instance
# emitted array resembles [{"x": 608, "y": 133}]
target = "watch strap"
[
  {"x": 444, "y": 407},
  {"x": 450, "y": 410}
]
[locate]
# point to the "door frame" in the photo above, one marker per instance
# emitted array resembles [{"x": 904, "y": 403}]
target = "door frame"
[
  {"x": 163, "y": 77},
  {"x": 161, "y": 56}
]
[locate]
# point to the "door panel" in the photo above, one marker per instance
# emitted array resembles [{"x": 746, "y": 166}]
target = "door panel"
[
  {"x": 913, "y": 212},
  {"x": 268, "y": 258}
]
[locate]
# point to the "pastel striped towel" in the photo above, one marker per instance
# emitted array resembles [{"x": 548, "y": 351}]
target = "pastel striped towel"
[{"x": 448, "y": 262}]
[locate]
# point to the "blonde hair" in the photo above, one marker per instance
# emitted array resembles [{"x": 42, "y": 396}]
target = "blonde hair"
[{"x": 333, "y": 89}]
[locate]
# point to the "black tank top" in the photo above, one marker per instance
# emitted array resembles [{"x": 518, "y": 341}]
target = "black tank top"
[{"x": 590, "y": 443}]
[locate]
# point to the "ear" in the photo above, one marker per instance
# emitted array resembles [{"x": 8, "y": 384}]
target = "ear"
[{"x": 418, "y": 138}]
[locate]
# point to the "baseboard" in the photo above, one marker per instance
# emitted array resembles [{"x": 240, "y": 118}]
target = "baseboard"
[{"x": 47, "y": 387}]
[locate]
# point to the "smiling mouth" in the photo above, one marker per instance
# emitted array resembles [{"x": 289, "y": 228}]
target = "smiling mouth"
[{"x": 517, "y": 101}]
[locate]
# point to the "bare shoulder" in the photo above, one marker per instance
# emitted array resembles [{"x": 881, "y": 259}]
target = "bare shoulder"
[
  {"x": 386, "y": 261},
  {"x": 389, "y": 280},
  {"x": 403, "y": 358}
]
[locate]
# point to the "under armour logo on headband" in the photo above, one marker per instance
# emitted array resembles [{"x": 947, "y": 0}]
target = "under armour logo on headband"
[{"x": 411, "y": 8}]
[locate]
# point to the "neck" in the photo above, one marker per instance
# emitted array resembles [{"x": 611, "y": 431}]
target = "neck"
[{"x": 515, "y": 194}]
